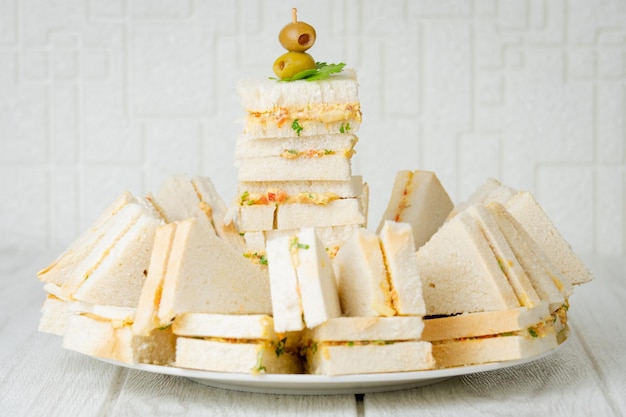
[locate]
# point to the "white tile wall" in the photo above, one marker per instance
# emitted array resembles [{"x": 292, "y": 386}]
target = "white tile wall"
[{"x": 100, "y": 96}]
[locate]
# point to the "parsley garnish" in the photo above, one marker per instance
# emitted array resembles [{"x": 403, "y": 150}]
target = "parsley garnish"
[
  {"x": 532, "y": 332},
  {"x": 295, "y": 244},
  {"x": 244, "y": 197},
  {"x": 321, "y": 71},
  {"x": 345, "y": 128},
  {"x": 296, "y": 126},
  {"x": 258, "y": 367},
  {"x": 261, "y": 258},
  {"x": 280, "y": 346}
]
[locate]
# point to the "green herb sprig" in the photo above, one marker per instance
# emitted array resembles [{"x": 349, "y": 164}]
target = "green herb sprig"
[
  {"x": 321, "y": 71},
  {"x": 297, "y": 127}
]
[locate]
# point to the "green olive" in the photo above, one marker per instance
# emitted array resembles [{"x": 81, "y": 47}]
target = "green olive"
[
  {"x": 291, "y": 63},
  {"x": 297, "y": 36}
]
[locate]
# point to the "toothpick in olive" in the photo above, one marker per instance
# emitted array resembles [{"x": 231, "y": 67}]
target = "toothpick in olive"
[{"x": 297, "y": 36}]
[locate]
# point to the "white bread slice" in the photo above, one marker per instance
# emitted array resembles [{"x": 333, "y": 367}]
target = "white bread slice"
[
  {"x": 533, "y": 218},
  {"x": 484, "y": 323},
  {"x": 206, "y": 275},
  {"x": 554, "y": 273},
  {"x": 285, "y": 290},
  {"x": 490, "y": 191},
  {"x": 227, "y": 326},
  {"x": 232, "y": 356},
  {"x": 345, "y": 211},
  {"x": 119, "y": 277},
  {"x": 276, "y": 168},
  {"x": 57, "y": 291},
  {"x": 332, "y": 237},
  {"x": 262, "y": 94},
  {"x": 115, "y": 229},
  {"x": 312, "y": 293},
  {"x": 550, "y": 285},
  {"x": 62, "y": 269},
  {"x": 54, "y": 315},
  {"x": 254, "y": 241},
  {"x": 116, "y": 314},
  {"x": 342, "y": 189},
  {"x": 216, "y": 209},
  {"x": 375, "y": 357},
  {"x": 146, "y": 318},
  {"x": 366, "y": 329},
  {"x": 418, "y": 198},
  {"x": 403, "y": 274},
  {"x": 295, "y": 147},
  {"x": 362, "y": 277},
  {"x": 256, "y": 217},
  {"x": 460, "y": 273},
  {"x": 512, "y": 268},
  {"x": 158, "y": 348},
  {"x": 91, "y": 336},
  {"x": 491, "y": 349},
  {"x": 178, "y": 199},
  {"x": 316, "y": 279},
  {"x": 100, "y": 337},
  {"x": 182, "y": 197},
  {"x": 365, "y": 201},
  {"x": 235, "y": 327}
]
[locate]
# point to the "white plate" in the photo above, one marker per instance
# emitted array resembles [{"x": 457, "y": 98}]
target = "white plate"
[{"x": 325, "y": 385}]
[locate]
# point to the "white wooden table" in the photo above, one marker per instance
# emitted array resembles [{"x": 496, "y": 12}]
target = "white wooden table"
[{"x": 39, "y": 378}]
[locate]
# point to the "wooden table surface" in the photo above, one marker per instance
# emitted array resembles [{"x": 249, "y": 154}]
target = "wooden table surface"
[{"x": 38, "y": 377}]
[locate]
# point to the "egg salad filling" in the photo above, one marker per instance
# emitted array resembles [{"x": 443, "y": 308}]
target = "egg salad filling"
[
  {"x": 276, "y": 196},
  {"x": 315, "y": 153},
  {"x": 536, "y": 331},
  {"x": 326, "y": 113}
]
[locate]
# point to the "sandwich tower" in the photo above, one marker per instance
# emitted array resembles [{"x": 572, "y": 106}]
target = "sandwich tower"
[{"x": 294, "y": 153}]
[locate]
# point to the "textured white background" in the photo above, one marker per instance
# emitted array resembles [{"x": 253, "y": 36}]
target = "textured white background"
[{"x": 100, "y": 96}]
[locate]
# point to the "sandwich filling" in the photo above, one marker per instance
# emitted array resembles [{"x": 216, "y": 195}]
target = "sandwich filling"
[
  {"x": 405, "y": 199},
  {"x": 277, "y": 196},
  {"x": 389, "y": 292},
  {"x": 256, "y": 257},
  {"x": 536, "y": 331},
  {"x": 326, "y": 113},
  {"x": 115, "y": 323},
  {"x": 315, "y": 153}
]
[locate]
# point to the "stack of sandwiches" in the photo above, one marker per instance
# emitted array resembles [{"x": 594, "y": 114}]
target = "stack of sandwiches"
[
  {"x": 294, "y": 160},
  {"x": 493, "y": 291},
  {"x": 119, "y": 287},
  {"x": 363, "y": 314},
  {"x": 523, "y": 206},
  {"x": 94, "y": 286}
]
